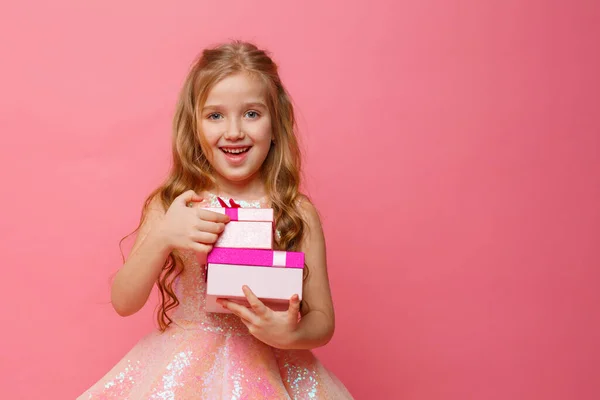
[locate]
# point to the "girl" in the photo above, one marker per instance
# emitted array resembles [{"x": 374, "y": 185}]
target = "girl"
[{"x": 233, "y": 139}]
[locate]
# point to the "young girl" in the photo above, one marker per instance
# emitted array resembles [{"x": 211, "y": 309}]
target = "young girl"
[{"x": 233, "y": 139}]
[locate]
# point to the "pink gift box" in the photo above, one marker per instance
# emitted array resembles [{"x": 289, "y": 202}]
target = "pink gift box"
[
  {"x": 263, "y": 258},
  {"x": 248, "y": 228},
  {"x": 273, "y": 276}
]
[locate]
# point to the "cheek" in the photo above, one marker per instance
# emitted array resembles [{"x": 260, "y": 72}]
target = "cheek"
[
  {"x": 261, "y": 133},
  {"x": 210, "y": 133},
  {"x": 208, "y": 141}
]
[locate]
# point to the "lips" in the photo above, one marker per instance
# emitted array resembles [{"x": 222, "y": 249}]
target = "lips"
[
  {"x": 235, "y": 155},
  {"x": 234, "y": 150}
]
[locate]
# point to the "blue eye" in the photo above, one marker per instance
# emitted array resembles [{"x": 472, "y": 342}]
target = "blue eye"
[
  {"x": 214, "y": 116},
  {"x": 252, "y": 114}
]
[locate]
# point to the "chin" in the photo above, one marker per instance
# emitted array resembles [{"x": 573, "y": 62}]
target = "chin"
[{"x": 237, "y": 177}]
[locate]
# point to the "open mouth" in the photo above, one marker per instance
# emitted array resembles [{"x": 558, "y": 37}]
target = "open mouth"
[{"x": 235, "y": 151}]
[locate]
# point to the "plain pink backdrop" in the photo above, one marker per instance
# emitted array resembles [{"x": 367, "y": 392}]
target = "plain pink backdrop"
[{"x": 451, "y": 147}]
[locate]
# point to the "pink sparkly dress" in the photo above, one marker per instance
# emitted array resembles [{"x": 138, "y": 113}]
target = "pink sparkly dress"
[{"x": 212, "y": 356}]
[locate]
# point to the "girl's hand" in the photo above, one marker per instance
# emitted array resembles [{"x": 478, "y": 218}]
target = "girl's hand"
[
  {"x": 188, "y": 228},
  {"x": 275, "y": 328}
]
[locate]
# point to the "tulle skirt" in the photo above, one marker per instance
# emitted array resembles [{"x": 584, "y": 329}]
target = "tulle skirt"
[{"x": 183, "y": 363}]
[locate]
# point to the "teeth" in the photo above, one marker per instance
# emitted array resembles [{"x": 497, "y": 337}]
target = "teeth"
[{"x": 236, "y": 151}]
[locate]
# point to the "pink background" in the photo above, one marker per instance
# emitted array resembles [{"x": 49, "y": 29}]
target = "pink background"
[{"x": 452, "y": 148}]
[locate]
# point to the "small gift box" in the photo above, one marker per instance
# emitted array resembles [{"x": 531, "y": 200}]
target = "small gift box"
[
  {"x": 273, "y": 276},
  {"x": 247, "y": 228}
]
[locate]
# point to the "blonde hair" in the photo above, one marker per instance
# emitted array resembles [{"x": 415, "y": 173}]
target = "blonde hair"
[{"x": 190, "y": 167}]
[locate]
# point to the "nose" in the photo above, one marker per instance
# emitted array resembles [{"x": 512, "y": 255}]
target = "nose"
[{"x": 234, "y": 131}]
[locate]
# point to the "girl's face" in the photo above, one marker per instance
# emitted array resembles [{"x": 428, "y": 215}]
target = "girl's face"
[{"x": 236, "y": 125}]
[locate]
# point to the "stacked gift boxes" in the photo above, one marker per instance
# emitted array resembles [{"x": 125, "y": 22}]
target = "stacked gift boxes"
[{"x": 244, "y": 255}]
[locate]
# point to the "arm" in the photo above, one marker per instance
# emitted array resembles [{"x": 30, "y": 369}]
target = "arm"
[
  {"x": 180, "y": 227},
  {"x": 317, "y": 325},
  {"x": 134, "y": 281}
]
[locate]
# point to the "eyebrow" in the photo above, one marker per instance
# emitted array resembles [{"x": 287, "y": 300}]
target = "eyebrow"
[{"x": 256, "y": 104}]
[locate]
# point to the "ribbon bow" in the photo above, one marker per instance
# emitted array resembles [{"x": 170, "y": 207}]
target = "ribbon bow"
[
  {"x": 231, "y": 210},
  {"x": 232, "y": 203}
]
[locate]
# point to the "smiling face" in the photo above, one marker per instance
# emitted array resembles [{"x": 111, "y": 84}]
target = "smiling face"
[{"x": 236, "y": 127}]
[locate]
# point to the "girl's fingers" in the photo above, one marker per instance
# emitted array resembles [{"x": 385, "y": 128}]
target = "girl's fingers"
[
  {"x": 241, "y": 311},
  {"x": 212, "y": 227},
  {"x": 212, "y": 216},
  {"x": 258, "y": 306},
  {"x": 204, "y": 237}
]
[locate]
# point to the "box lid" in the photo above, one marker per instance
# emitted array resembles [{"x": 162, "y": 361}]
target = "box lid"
[
  {"x": 245, "y": 214},
  {"x": 255, "y": 257}
]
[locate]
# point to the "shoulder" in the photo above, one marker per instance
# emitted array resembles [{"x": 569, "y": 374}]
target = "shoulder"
[
  {"x": 154, "y": 208},
  {"x": 309, "y": 212},
  {"x": 156, "y": 204}
]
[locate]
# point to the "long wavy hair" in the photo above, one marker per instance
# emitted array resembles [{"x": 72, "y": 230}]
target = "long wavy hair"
[{"x": 190, "y": 166}]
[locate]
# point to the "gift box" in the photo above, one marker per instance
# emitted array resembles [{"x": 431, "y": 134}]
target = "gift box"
[
  {"x": 273, "y": 276},
  {"x": 247, "y": 228}
]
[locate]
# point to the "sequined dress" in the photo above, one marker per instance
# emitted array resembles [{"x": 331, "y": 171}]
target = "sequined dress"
[{"x": 212, "y": 356}]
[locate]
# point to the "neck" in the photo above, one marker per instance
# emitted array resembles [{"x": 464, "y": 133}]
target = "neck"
[{"x": 250, "y": 189}]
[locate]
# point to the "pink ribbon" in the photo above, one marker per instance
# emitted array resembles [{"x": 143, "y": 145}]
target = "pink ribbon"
[{"x": 231, "y": 210}]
